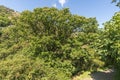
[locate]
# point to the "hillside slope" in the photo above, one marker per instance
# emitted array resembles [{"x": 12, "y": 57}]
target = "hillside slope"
[{"x": 6, "y": 15}]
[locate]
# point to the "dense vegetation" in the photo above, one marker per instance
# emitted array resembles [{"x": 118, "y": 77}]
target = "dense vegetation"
[
  {"x": 5, "y": 16},
  {"x": 52, "y": 44}
]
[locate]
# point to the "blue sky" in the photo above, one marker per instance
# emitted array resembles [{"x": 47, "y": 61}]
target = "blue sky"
[{"x": 103, "y": 10}]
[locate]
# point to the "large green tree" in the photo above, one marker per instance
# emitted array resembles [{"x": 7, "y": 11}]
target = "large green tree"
[
  {"x": 45, "y": 39},
  {"x": 112, "y": 34}
]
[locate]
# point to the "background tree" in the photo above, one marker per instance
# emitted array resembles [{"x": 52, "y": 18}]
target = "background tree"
[
  {"x": 46, "y": 42},
  {"x": 111, "y": 41},
  {"x": 117, "y": 2}
]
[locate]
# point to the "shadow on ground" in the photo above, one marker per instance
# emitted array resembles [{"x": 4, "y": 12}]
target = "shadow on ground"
[{"x": 105, "y": 75}]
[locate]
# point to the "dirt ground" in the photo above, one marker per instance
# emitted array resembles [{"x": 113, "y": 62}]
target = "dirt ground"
[
  {"x": 103, "y": 75},
  {"x": 100, "y": 75}
]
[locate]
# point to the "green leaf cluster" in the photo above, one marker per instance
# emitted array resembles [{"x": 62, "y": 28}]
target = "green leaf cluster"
[{"x": 52, "y": 44}]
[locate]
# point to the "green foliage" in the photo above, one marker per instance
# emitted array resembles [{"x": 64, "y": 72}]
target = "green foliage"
[
  {"x": 6, "y": 16},
  {"x": 112, "y": 35},
  {"x": 52, "y": 44},
  {"x": 4, "y": 21},
  {"x": 23, "y": 68},
  {"x": 49, "y": 44},
  {"x": 5, "y": 11},
  {"x": 111, "y": 42}
]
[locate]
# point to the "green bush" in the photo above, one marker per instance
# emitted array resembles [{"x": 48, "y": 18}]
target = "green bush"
[{"x": 49, "y": 44}]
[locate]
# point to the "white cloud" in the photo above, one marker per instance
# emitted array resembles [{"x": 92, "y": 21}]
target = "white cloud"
[
  {"x": 62, "y": 2},
  {"x": 54, "y": 5}
]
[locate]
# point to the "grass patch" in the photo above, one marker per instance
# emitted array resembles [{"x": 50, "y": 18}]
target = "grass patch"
[{"x": 84, "y": 76}]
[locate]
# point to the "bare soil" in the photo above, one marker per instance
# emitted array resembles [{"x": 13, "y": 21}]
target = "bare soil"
[
  {"x": 103, "y": 75},
  {"x": 100, "y": 75}
]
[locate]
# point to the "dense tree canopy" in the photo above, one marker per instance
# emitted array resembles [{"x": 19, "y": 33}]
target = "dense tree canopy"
[
  {"x": 52, "y": 44},
  {"x": 112, "y": 35}
]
